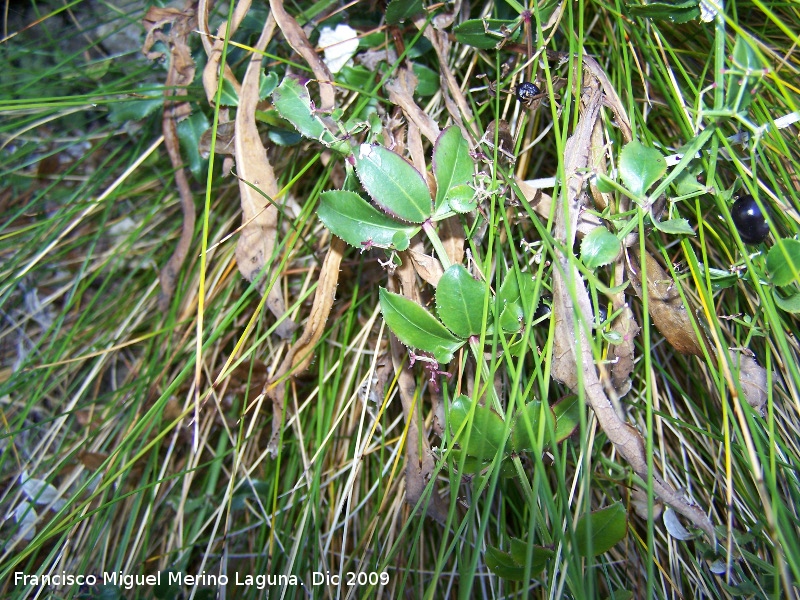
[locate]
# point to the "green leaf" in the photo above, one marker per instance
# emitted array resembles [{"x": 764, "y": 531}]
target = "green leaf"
[
  {"x": 474, "y": 32},
  {"x": 267, "y": 84},
  {"x": 674, "y": 227},
  {"x": 746, "y": 70},
  {"x": 459, "y": 301},
  {"x": 356, "y": 76},
  {"x": 600, "y": 247},
  {"x": 461, "y": 199},
  {"x": 147, "y": 101},
  {"x": 417, "y": 328},
  {"x": 428, "y": 81},
  {"x": 519, "y": 552},
  {"x": 503, "y": 564},
  {"x": 568, "y": 416},
  {"x": 640, "y": 167},
  {"x": 511, "y": 565},
  {"x": 229, "y": 97},
  {"x": 452, "y": 165},
  {"x": 790, "y": 303},
  {"x": 608, "y": 526},
  {"x": 783, "y": 261},
  {"x": 471, "y": 464},
  {"x": 401, "y": 240},
  {"x": 525, "y": 428},
  {"x": 189, "y": 132},
  {"x": 293, "y": 102},
  {"x": 399, "y": 10},
  {"x": 486, "y": 431},
  {"x": 393, "y": 183},
  {"x": 357, "y": 222},
  {"x": 677, "y": 12},
  {"x": 514, "y": 298}
]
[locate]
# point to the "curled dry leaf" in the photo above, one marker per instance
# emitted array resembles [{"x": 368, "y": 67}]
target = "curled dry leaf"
[
  {"x": 622, "y": 355},
  {"x": 213, "y": 46},
  {"x": 297, "y": 39},
  {"x": 665, "y": 306},
  {"x": 427, "y": 267},
  {"x": 640, "y": 504},
  {"x": 225, "y": 137},
  {"x": 259, "y": 215},
  {"x": 752, "y": 378},
  {"x": 401, "y": 93},
  {"x": 299, "y": 355},
  {"x": 179, "y": 24}
]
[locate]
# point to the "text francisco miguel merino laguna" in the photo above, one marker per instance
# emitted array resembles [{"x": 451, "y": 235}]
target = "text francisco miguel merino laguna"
[{"x": 129, "y": 582}]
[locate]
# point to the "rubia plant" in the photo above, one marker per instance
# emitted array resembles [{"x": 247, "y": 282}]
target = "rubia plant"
[{"x": 467, "y": 310}]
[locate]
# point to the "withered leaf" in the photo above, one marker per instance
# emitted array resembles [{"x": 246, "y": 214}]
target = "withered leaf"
[
  {"x": 666, "y": 308},
  {"x": 752, "y": 378}
]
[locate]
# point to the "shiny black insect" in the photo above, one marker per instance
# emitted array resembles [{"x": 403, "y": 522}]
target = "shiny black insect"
[
  {"x": 527, "y": 91},
  {"x": 749, "y": 220}
]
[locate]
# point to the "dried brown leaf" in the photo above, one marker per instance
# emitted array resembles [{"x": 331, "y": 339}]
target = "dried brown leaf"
[
  {"x": 420, "y": 465},
  {"x": 225, "y": 137},
  {"x": 666, "y": 308},
  {"x": 259, "y": 215},
  {"x": 178, "y": 24},
  {"x": 300, "y": 354},
  {"x": 427, "y": 267},
  {"x": 297, "y": 39},
  {"x": 752, "y": 378},
  {"x": 401, "y": 93},
  {"x": 622, "y": 355}
]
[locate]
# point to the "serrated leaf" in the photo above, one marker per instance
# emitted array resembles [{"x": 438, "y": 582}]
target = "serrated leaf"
[
  {"x": 293, "y": 102},
  {"x": 393, "y": 183},
  {"x": 399, "y": 10},
  {"x": 484, "y": 435},
  {"x": 601, "y": 530},
  {"x": 461, "y": 199},
  {"x": 417, "y": 328},
  {"x": 452, "y": 165},
  {"x": 783, "y": 262},
  {"x": 474, "y": 32},
  {"x": 568, "y": 416},
  {"x": 503, "y": 565},
  {"x": 357, "y": 222},
  {"x": 679, "y": 12},
  {"x": 525, "y": 428},
  {"x": 790, "y": 303},
  {"x": 640, "y": 167},
  {"x": 459, "y": 301},
  {"x": 600, "y": 247},
  {"x": 539, "y": 558},
  {"x": 676, "y": 226}
]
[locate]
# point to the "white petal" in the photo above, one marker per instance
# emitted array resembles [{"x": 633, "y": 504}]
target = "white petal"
[{"x": 339, "y": 44}]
